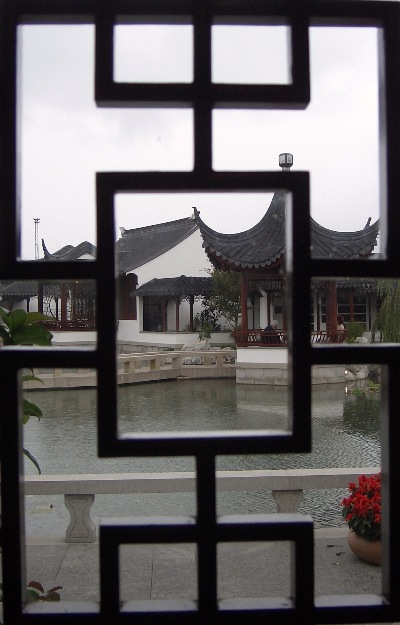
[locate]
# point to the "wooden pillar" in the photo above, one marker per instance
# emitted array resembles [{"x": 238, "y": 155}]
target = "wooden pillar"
[
  {"x": 64, "y": 293},
  {"x": 269, "y": 318},
  {"x": 283, "y": 306},
  {"x": 243, "y": 300},
  {"x": 331, "y": 312},
  {"x": 164, "y": 322},
  {"x": 40, "y": 297},
  {"x": 126, "y": 302},
  {"x": 191, "y": 304},
  {"x": 351, "y": 302},
  {"x": 177, "y": 304}
]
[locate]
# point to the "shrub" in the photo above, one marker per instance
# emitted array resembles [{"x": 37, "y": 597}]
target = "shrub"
[{"x": 354, "y": 329}]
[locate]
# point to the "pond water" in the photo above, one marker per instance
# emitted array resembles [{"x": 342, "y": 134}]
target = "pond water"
[{"x": 346, "y": 432}]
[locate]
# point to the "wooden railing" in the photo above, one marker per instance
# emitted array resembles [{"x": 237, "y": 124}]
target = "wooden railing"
[
  {"x": 71, "y": 324},
  {"x": 258, "y": 337},
  {"x": 245, "y": 338},
  {"x": 328, "y": 337}
]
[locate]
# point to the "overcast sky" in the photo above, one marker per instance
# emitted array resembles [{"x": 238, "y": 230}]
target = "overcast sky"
[{"x": 66, "y": 139}]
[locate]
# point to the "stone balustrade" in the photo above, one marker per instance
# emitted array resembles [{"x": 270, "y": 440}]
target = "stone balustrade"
[
  {"x": 287, "y": 487},
  {"x": 146, "y": 367}
]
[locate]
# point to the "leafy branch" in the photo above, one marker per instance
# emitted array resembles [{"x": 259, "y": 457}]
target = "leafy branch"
[{"x": 18, "y": 327}]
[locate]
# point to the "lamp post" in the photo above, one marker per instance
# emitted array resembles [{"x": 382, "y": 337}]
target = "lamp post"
[{"x": 285, "y": 161}]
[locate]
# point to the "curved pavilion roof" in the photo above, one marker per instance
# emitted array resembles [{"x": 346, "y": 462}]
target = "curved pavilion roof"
[
  {"x": 264, "y": 244},
  {"x": 70, "y": 252}
]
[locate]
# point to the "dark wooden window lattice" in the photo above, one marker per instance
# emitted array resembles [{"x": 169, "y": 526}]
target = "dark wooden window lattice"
[{"x": 206, "y": 530}]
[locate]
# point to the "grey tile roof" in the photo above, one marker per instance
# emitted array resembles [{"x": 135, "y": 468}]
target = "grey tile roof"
[
  {"x": 141, "y": 245},
  {"x": 173, "y": 287},
  {"x": 19, "y": 289},
  {"x": 69, "y": 252},
  {"x": 264, "y": 244},
  {"x": 28, "y": 289}
]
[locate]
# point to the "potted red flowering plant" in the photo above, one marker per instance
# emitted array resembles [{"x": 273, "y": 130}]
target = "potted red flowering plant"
[{"x": 362, "y": 512}]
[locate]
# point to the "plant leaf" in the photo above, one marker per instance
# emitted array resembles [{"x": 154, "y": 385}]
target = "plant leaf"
[
  {"x": 16, "y": 318},
  {"x": 5, "y": 335},
  {"x": 37, "y": 585},
  {"x": 32, "y": 595},
  {"x": 34, "y": 317},
  {"x": 31, "y": 378},
  {"x": 32, "y": 459},
  {"x": 32, "y": 335},
  {"x": 31, "y": 410},
  {"x": 4, "y": 316},
  {"x": 53, "y": 596}
]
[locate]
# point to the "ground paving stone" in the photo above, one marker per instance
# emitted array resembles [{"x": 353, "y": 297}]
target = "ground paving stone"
[{"x": 246, "y": 570}]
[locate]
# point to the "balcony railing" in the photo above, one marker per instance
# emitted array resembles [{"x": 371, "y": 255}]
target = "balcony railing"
[
  {"x": 258, "y": 337},
  {"x": 71, "y": 324}
]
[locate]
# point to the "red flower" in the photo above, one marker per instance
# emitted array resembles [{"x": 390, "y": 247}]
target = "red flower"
[{"x": 362, "y": 508}]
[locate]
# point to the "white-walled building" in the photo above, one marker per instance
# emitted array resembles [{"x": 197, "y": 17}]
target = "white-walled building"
[{"x": 168, "y": 267}]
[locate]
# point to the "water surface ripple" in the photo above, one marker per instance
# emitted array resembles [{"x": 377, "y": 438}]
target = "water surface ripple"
[{"x": 345, "y": 430}]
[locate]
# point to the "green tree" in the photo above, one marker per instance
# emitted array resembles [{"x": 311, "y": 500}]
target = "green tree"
[
  {"x": 223, "y": 302},
  {"x": 17, "y": 327},
  {"x": 387, "y": 322}
]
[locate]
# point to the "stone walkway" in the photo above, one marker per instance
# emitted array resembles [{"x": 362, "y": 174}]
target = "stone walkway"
[{"x": 159, "y": 572}]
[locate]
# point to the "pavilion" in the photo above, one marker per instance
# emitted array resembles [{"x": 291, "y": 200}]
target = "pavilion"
[{"x": 259, "y": 255}]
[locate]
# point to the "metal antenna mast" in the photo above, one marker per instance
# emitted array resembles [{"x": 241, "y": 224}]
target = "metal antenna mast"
[{"x": 37, "y": 221}]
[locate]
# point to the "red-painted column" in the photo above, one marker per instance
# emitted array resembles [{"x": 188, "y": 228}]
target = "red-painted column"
[
  {"x": 331, "y": 313},
  {"x": 284, "y": 318},
  {"x": 243, "y": 300}
]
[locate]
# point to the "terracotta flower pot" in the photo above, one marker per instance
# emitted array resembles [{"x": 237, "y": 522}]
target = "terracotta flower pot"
[{"x": 368, "y": 550}]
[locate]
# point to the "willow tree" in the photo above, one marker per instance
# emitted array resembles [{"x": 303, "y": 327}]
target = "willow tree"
[{"x": 387, "y": 323}]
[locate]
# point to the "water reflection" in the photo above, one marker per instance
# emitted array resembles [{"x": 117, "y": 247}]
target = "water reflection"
[
  {"x": 346, "y": 428},
  {"x": 361, "y": 413}
]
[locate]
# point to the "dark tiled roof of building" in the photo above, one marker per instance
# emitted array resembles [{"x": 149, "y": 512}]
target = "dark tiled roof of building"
[
  {"x": 69, "y": 252},
  {"x": 182, "y": 286},
  {"x": 19, "y": 289},
  {"x": 141, "y": 245},
  {"x": 28, "y": 289},
  {"x": 360, "y": 285},
  {"x": 264, "y": 244}
]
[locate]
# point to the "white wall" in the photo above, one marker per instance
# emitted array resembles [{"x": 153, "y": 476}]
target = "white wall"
[
  {"x": 188, "y": 259},
  {"x": 173, "y": 339},
  {"x": 127, "y": 330},
  {"x": 262, "y": 355},
  {"x": 83, "y": 338}
]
